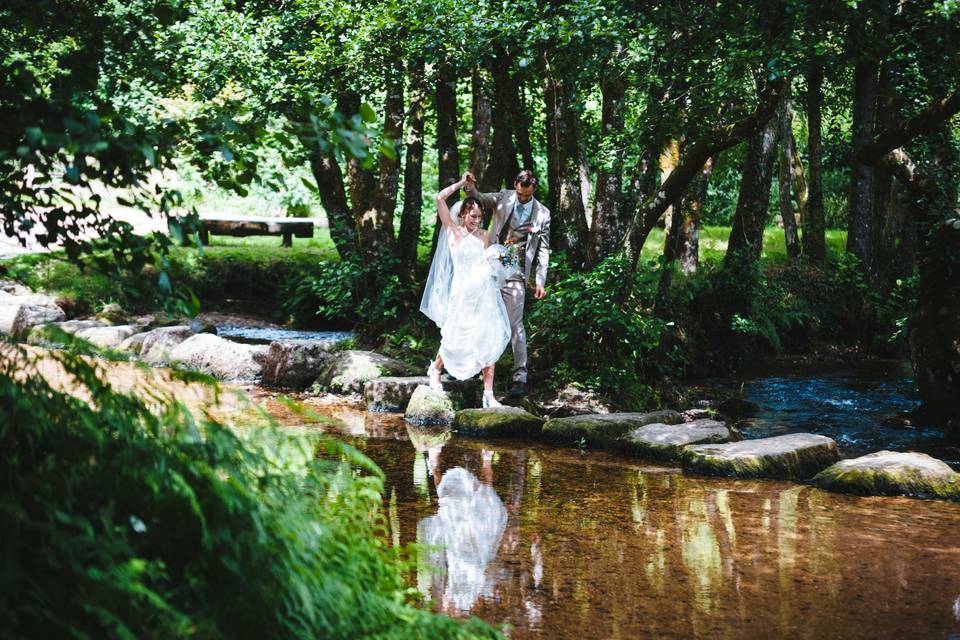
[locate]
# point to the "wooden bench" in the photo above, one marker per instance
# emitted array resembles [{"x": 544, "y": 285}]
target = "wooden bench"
[{"x": 242, "y": 226}]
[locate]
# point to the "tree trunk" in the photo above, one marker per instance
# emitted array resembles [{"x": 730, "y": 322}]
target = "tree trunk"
[
  {"x": 785, "y": 123},
  {"x": 413, "y": 170},
  {"x": 393, "y": 133},
  {"x": 448, "y": 157},
  {"x": 607, "y": 227},
  {"x": 553, "y": 155},
  {"x": 482, "y": 121},
  {"x": 669, "y": 159},
  {"x": 814, "y": 224},
  {"x": 502, "y": 166},
  {"x": 689, "y": 250},
  {"x": 570, "y": 221},
  {"x": 522, "y": 131},
  {"x": 746, "y": 236},
  {"x": 329, "y": 178},
  {"x": 866, "y": 79}
]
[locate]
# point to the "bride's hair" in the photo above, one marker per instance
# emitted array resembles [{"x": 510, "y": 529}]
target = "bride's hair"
[{"x": 469, "y": 203}]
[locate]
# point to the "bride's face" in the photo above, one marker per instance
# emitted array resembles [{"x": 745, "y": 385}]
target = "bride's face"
[{"x": 472, "y": 219}]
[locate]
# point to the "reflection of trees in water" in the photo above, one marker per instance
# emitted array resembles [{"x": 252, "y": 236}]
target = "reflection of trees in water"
[{"x": 464, "y": 537}]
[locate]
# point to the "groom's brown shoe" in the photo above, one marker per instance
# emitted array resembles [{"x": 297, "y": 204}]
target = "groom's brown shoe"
[{"x": 519, "y": 390}]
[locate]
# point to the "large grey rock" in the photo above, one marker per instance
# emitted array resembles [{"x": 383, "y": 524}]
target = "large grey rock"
[
  {"x": 886, "y": 473},
  {"x": 134, "y": 344},
  {"x": 220, "y": 358},
  {"x": 295, "y": 364},
  {"x": 46, "y": 333},
  {"x": 503, "y": 422},
  {"x": 14, "y": 288},
  {"x": 573, "y": 400},
  {"x": 795, "y": 456},
  {"x": 158, "y": 344},
  {"x": 427, "y": 406},
  {"x": 603, "y": 430},
  {"x": 108, "y": 337},
  {"x": 31, "y": 315},
  {"x": 666, "y": 441},
  {"x": 348, "y": 371}
]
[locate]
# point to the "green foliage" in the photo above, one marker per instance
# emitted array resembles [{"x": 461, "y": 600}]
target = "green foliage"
[
  {"x": 133, "y": 519},
  {"x": 586, "y": 335}
]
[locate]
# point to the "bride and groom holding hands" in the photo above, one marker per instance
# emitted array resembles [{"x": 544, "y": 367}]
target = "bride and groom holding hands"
[{"x": 478, "y": 280}]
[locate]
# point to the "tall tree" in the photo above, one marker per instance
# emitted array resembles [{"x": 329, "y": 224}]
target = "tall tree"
[
  {"x": 752, "y": 214},
  {"x": 413, "y": 167},
  {"x": 482, "y": 123},
  {"x": 814, "y": 225},
  {"x": 785, "y": 174}
]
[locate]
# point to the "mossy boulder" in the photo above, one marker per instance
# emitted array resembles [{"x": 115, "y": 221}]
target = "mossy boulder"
[
  {"x": 667, "y": 441},
  {"x": 795, "y": 456},
  {"x": 502, "y": 422},
  {"x": 603, "y": 430},
  {"x": 429, "y": 407},
  {"x": 892, "y": 473},
  {"x": 348, "y": 371},
  {"x": 391, "y": 393}
]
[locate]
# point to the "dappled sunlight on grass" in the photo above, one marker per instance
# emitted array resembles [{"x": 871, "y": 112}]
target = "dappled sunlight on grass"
[{"x": 713, "y": 244}]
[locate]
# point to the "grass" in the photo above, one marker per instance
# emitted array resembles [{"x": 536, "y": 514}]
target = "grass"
[{"x": 713, "y": 244}]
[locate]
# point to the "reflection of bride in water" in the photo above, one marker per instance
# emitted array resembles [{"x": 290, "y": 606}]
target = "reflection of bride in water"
[{"x": 463, "y": 539}]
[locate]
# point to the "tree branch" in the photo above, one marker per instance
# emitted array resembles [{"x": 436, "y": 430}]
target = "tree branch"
[{"x": 896, "y": 137}]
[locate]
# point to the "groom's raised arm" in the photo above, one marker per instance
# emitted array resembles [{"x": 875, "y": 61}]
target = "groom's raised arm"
[{"x": 487, "y": 200}]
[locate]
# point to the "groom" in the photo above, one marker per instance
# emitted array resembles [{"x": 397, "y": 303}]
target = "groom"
[{"x": 521, "y": 220}]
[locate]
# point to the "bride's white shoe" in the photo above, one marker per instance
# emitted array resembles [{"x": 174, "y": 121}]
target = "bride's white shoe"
[
  {"x": 489, "y": 401},
  {"x": 434, "y": 374}
]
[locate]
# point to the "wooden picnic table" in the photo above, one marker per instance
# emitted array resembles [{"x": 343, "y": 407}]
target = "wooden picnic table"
[{"x": 242, "y": 226}]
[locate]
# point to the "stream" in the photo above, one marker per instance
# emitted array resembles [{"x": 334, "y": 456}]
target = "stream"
[{"x": 557, "y": 543}]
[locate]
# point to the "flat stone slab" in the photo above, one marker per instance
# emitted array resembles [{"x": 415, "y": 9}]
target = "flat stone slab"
[
  {"x": 429, "y": 407},
  {"x": 502, "y": 422},
  {"x": 795, "y": 456},
  {"x": 603, "y": 429},
  {"x": 892, "y": 473},
  {"x": 666, "y": 441}
]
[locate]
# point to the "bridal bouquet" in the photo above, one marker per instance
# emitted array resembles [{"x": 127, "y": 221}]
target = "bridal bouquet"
[{"x": 504, "y": 262}]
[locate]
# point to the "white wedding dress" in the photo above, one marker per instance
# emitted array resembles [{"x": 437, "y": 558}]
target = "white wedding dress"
[{"x": 474, "y": 329}]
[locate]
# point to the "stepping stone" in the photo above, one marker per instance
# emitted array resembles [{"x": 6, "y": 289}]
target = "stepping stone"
[
  {"x": 892, "y": 473},
  {"x": 429, "y": 407},
  {"x": 108, "y": 337},
  {"x": 392, "y": 394},
  {"x": 42, "y": 334},
  {"x": 503, "y": 422},
  {"x": 348, "y": 371},
  {"x": 795, "y": 456},
  {"x": 603, "y": 430},
  {"x": 295, "y": 364},
  {"x": 134, "y": 343},
  {"x": 666, "y": 441}
]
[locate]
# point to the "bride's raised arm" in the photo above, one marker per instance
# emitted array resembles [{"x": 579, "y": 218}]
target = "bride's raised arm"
[{"x": 442, "y": 209}]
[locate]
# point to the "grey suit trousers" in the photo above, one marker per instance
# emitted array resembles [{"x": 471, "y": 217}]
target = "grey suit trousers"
[{"x": 514, "y": 293}]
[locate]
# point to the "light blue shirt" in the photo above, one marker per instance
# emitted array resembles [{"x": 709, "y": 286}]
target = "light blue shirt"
[{"x": 521, "y": 212}]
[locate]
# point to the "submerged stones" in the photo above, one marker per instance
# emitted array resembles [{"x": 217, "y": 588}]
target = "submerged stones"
[
  {"x": 795, "y": 456},
  {"x": 667, "y": 441},
  {"x": 887, "y": 473},
  {"x": 500, "y": 422},
  {"x": 603, "y": 430}
]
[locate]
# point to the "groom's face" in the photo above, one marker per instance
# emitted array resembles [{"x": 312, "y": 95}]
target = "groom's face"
[{"x": 524, "y": 194}]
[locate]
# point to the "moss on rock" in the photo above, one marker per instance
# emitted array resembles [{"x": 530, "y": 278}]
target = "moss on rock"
[
  {"x": 504, "y": 422},
  {"x": 427, "y": 406},
  {"x": 795, "y": 456},
  {"x": 891, "y": 473},
  {"x": 603, "y": 430}
]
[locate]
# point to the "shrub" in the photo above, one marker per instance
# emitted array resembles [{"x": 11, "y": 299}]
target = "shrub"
[{"x": 122, "y": 521}]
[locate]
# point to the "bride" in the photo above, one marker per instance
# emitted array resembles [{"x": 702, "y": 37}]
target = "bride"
[{"x": 463, "y": 298}]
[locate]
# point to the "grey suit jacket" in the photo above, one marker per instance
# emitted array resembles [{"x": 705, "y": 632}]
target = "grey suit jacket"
[{"x": 538, "y": 243}]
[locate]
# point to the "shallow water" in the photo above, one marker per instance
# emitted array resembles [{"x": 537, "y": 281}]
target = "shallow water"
[
  {"x": 860, "y": 406},
  {"x": 269, "y": 334},
  {"x": 560, "y": 544}
]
